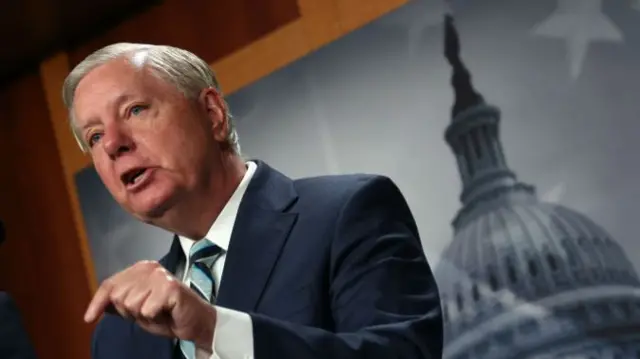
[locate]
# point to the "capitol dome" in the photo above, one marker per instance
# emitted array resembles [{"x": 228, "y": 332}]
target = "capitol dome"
[{"x": 523, "y": 278}]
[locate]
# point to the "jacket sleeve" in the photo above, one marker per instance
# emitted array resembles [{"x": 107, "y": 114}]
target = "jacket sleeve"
[
  {"x": 14, "y": 340},
  {"x": 385, "y": 302}
]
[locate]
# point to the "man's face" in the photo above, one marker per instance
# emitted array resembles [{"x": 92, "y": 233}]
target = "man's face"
[{"x": 150, "y": 145}]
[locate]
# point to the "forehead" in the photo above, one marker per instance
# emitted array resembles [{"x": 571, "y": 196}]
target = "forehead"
[{"x": 103, "y": 85}]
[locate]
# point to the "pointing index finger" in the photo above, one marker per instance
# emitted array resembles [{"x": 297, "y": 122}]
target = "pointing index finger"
[{"x": 99, "y": 302}]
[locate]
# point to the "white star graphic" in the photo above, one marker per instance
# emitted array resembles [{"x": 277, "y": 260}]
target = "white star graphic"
[{"x": 579, "y": 22}]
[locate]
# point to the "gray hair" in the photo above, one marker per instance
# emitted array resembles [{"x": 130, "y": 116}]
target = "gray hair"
[{"x": 181, "y": 68}]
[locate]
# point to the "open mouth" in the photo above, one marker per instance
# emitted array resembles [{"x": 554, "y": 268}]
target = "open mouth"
[{"x": 132, "y": 176}]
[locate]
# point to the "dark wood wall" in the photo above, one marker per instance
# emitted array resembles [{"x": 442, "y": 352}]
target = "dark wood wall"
[
  {"x": 41, "y": 262},
  {"x": 211, "y": 29},
  {"x": 45, "y": 263}
]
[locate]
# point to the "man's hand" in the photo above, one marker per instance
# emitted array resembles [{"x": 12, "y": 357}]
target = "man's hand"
[{"x": 159, "y": 303}]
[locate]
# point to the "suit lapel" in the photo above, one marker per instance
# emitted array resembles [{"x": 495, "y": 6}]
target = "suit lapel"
[
  {"x": 261, "y": 229},
  {"x": 171, "y": 261}
]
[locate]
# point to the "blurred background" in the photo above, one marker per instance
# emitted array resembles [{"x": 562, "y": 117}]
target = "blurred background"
[{"x": 526, "y": 208}]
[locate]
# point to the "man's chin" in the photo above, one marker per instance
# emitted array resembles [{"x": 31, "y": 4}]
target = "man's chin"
[{"x": 152, "y": 210}]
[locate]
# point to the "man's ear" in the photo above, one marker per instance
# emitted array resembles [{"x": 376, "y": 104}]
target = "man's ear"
[{"x": 216, "y": 111}]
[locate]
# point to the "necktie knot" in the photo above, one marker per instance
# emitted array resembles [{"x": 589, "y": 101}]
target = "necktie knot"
[{"x": 203, "y": 250}]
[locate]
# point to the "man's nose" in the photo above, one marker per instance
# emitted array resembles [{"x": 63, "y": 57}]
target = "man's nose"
[{"x": 117, "y": 142}]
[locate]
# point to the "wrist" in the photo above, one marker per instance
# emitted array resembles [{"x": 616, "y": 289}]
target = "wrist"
[{"x": 204, "y": 337}]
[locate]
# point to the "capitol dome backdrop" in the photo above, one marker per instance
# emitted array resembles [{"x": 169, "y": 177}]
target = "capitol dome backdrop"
[{"x": 517, "y": 152}]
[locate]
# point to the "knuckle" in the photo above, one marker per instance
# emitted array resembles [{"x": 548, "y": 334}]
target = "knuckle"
[
  {"x": 108, "y": 284},
  {"x": 145, "y": 311},
  {"x": 129, "y": 302},
  {"x": 148, "y": 312},
  {"x": 146, "y": 264},
  {"x": 117, "y": 297},
  {"x": 172, "y": 284},
  {"x": 159, "y": 270}
]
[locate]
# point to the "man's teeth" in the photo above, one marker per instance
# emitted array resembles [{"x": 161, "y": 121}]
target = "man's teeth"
[{"x": 136, "y": 177}]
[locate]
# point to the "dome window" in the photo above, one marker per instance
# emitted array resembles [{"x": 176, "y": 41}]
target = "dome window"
[
  {"x": 460, "y": 302},
  {"x": 475, "y": 144},
  {"x": 511, "y": 271},
  {"x": 533, "y": 268},
  {"x": 569, "y": 251},
  {"x": 552, "y": 262},
  {"x": 475, "y": 292},
  {"x": 493, "y": 281}
]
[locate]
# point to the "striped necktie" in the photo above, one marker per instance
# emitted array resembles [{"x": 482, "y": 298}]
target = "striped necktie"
[{"x": 201, "y": 258}]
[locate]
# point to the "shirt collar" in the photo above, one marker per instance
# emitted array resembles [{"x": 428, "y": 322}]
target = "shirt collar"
[{"x": 220, "y": 231}]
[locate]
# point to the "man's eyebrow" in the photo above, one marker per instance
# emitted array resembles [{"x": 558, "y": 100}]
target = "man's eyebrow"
[
  {"x": 91, "y": 122},
  {"x": 118, "y": 101},
  {"x": 114, "y": 105}
]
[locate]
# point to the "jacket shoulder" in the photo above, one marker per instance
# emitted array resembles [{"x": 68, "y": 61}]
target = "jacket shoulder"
[
  {"x": 343, "y": 188},
  {"x": 340, "y": 184}
]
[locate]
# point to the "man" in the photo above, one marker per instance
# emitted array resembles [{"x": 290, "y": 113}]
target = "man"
[
  {"x": 261, "y": 266},
  {"x": 14, "y": 341}
]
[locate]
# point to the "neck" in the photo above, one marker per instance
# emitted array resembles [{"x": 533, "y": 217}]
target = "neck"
[{"x": 195, "y": 214}]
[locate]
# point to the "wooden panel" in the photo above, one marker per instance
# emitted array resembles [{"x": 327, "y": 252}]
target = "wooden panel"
[
  {"x": 211, "y": 29},
  {"x": 356, "y": 13},
  {"x": 31, "y": 30},
  {"x": 53, "y": 73},
  {"x": 318, "y": 25},
  {"x": 320, "y": 22},
  {"x": 41, "y": 263}
]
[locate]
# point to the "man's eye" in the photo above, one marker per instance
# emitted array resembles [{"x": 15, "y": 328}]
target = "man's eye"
[
  {"x": 95, "y": 137},
  {"x": 137, "y": 109}
]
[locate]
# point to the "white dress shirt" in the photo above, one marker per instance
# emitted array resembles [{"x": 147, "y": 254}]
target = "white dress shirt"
[{"x": 233, "y": 335}]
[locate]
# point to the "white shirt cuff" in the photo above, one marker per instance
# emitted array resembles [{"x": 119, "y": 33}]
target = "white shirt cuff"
[{"x": 232, "y": 338}]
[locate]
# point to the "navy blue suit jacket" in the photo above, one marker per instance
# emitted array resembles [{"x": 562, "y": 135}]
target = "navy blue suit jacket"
[
  {"x": 14, "y": 341},
  {"x": 327, "y": 267}
]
